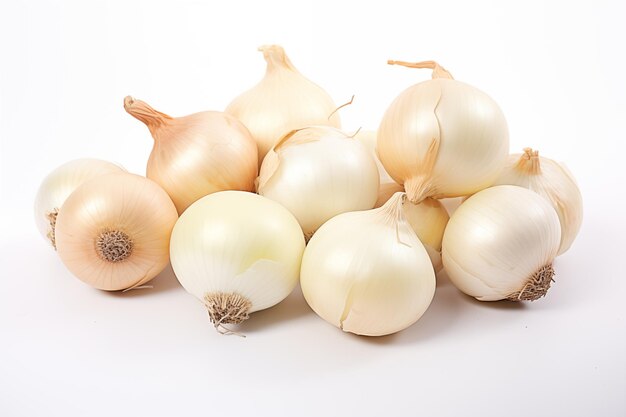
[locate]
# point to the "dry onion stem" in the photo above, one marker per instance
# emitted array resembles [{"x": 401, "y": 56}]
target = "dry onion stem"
[{"x": 52, "y": 218}]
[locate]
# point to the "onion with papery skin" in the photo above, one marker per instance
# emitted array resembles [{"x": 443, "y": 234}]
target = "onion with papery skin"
[
  {"x": 197, "y": 155},
  {"x": 442, "y": 138},
  {"x": 553, "y": 181},
  {"x": 367, "y": 273},
  {"x": 237, "y": 253},
  {"x": 59, "y": 184},
  {"x": 319, "y": 172},
  {"x": 283, "y": 101},
  {"x": 500, "y": 244},
  {"x": 113, "y": 232}
]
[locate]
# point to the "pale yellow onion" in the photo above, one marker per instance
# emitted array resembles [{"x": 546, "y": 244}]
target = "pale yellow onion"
[
  {"x": 553, "y": 181},
  {"x": 500, "y": 244},
  {"x": 59, "y": 184},
  {"x": 282, "y": 101},
  {"x": 319, "y": 172},
  {"x": 428, "y": 218},
  {"x": 237, "y": 253},
  {"x": 197, "y": 155},
  {"x": 367, "y": 273},
  {"x": 442, "y": 138},
  {"x": 113, "y": 231}
]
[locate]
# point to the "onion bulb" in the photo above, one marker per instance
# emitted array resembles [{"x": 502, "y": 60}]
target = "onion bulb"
[
  {"x": 428, "y": 218},
  {"x": 442, "y": 138},
  {"x": 113, "y": 232},
  {"x": 237, "y": 253},
  {"x": 367, "y": 272},
  {"x": 59, "y": 184},
  {"x": 500, "y": 244},
  {"x": 283, "y": 101},
  {"x": 197, "y": 154},
  {"x": 553, "y": 181},
  {"x": 319, "y": 172}
]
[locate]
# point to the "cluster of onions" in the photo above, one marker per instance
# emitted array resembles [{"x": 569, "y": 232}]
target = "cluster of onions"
[
  {"x": 443, "y": 138},
  {"x": 368, "y": 204}
]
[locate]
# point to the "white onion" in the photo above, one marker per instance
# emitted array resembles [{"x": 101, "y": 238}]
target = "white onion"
[
  {"x": 237, "y": 253},
  {"x": 317, "y": 173}
]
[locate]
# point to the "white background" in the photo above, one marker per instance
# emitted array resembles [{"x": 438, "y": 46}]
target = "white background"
[{"x": 557, "y": 71}]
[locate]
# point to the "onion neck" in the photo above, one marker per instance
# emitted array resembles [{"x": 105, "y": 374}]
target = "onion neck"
[
  {"x": 276, "y": 58},
  {"x": 143, "y": 112},
  {"x": 529, "y": 162},
  {"x": 438, "y": 70},
  {"x": 417, "y": 189},
  {"x": 392, "y": 209}
]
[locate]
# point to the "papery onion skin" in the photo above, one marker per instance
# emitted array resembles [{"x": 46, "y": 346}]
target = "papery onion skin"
[
  {"x": 238, "y": 248},
  {"x": 443, "y": 138},
  {"x": 59, "y": 184},
  {"x": 553, "y": 181},
  {"x": 319, "y": 172},
  {"x": 284, "y": 100},
  {"x": 197, "y": 155},
  {"x": 367, "y": 272},
  {"x": 135, "y": 208},
  {"x": 497, "y": 240}
]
